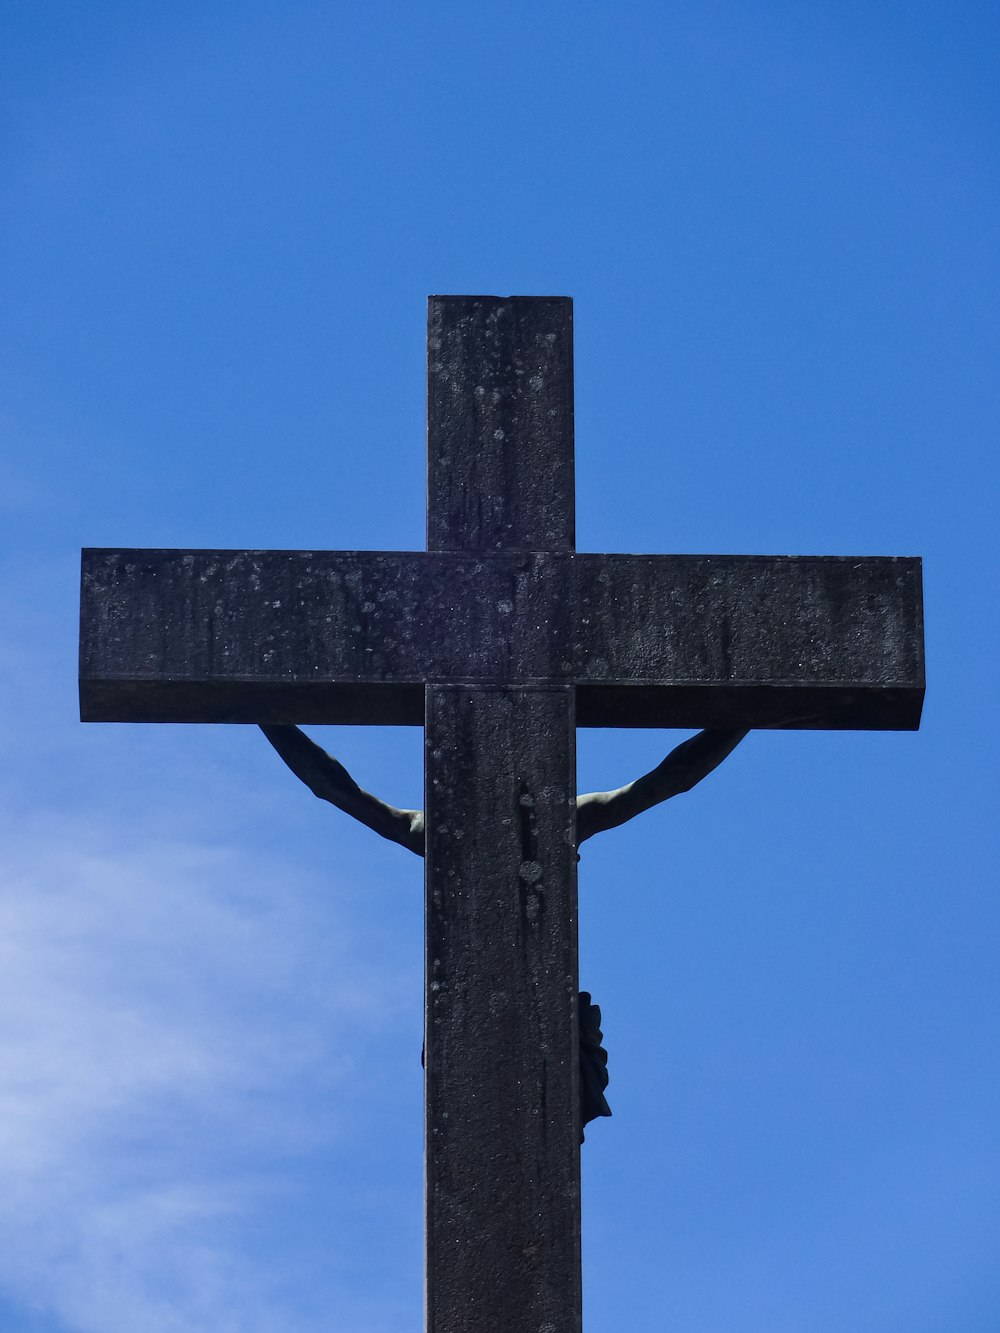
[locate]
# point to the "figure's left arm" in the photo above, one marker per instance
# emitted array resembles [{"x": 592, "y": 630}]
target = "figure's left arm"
[{"x": 682, "y": 769}]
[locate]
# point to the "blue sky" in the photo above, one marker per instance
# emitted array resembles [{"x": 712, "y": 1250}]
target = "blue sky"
[{"x": 220, "y": 223}]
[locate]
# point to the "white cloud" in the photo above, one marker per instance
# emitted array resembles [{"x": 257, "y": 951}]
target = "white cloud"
[{"x": 168, "y": 1020}]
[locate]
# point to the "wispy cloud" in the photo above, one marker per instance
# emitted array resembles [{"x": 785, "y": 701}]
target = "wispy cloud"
[{"x": 167, "y": 1023}]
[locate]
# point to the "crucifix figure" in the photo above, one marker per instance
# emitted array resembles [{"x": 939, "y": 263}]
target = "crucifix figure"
[
  {"x": 596, "y": 811},
  {"x": 500, "y": 639}
]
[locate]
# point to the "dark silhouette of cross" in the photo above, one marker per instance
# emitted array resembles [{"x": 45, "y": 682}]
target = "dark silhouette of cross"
[{"x": 500, "y": 639}]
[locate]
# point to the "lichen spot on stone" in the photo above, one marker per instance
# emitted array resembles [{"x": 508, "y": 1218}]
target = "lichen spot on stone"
[{"x": 530, "y": 872}]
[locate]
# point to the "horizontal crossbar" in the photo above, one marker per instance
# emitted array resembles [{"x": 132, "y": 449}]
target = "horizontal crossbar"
[{"x": 352, "y": 637}]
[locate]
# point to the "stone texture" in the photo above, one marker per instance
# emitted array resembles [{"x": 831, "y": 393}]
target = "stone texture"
[
  {"x": 353, "y": 636},
  {"x": 502, "y": 1113},
  {"x": 500, "y": 423}
]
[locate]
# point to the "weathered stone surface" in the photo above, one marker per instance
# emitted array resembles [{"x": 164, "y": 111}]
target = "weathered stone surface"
[
  {"x": 500, "y": 423},
  {"x": 502, "y": 1112},
  {"x": 650, "y": 640},
  {"x": 502, "y": 1107}
]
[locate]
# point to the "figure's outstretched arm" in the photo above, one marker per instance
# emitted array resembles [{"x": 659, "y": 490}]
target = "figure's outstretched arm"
[
  {"x": 330, "y": 781},
  {"x": 682, "y": 769}
]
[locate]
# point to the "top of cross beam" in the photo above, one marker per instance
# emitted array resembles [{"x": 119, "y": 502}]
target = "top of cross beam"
[{"x": 500, "y": 423}]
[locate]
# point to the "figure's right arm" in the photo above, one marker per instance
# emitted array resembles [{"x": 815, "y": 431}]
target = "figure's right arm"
[{"x": 330, "y": 781}]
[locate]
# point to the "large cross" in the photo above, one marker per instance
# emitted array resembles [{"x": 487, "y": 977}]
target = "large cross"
[{"x": 500, "y": 639}]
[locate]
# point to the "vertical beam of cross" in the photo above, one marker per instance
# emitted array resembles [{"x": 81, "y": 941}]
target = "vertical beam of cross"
[{"x": 502, "y": 1115}]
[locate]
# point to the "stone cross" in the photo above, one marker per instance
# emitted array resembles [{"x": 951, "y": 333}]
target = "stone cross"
[{"x": 500, "y": 639}]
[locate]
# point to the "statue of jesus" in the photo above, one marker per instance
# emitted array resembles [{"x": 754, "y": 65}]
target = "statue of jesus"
[{"x": 596, "y": 811}]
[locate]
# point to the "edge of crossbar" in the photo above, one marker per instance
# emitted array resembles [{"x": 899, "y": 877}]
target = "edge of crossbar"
[{"x": 858, "y": 706}]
